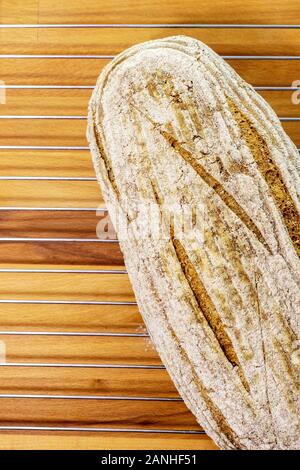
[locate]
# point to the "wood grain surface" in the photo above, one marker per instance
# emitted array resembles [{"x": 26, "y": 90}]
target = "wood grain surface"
[
  {"x": 128, "y": 385},
  {"x": 110, "y": 41},
  {"x": 149, "y": 11}
]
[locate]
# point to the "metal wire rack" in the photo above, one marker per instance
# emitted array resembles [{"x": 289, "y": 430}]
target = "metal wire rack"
[{"x": 121, "y": 272}]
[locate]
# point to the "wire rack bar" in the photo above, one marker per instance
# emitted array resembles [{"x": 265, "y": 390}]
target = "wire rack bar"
[
  {"x": 66, "y": 302},
  {"x": 47, "y": 178},
  {"x": 43, "y": 147},
  {"x": 63, "y": 271},
  {"x": 19, "y": 116},
  {"x": 82, "y": 366},
  {"x": 56, "y": 56},
  {"x": 74, "y": 333},
  {"x": 46, "y": 87},
  {"x": 56, "y": 240},
  {"x": 76, "y": 209},
  {"x": 276, "y": 88},
  {"x": 88, "y": 397},
  {"x": 92, "y": 429},
  {"x": 260, "y": 57},
  {"x": 289, "y": 119},
  {"x": 157, "y": 25}
]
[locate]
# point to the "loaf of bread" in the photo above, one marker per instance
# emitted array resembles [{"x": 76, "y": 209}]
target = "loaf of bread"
[{"x": 202, "y": 185}]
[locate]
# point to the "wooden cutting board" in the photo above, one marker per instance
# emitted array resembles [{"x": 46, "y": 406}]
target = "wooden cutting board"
[{"x": 116, "y": 382}]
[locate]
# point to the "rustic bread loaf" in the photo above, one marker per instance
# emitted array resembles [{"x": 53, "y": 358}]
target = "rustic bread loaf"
[{"x": 171, "y": 125}]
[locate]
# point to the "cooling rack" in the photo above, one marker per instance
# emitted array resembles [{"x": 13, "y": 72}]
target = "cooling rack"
[{"x": 77, "y": 368}]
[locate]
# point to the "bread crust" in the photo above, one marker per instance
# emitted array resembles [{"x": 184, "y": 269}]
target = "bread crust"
[{"x": 171, "y": 124}]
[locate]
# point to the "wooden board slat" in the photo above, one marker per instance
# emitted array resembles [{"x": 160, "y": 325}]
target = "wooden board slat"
[
  {"x": 71, "y": 318},
  {"x": 51, "y": 71},
  {"x": 267, "y": 72},
  {"x": 85, "y": 71},
  {"x": 106, "y": 441},
  {"x": 94, "y": 254},
  {"x": 24, "y": 162},
  {"x": 74, "y": 102},
  {"x": 15, "y": 11},
  {"x": 150, "y": 11},
  {"x": 72, "y": 381},
  {"x": 43, "y": 132},
  {"x": 102, "y": 413},
  {"x": 73, "y": 350},
  {"x": 50, "y": 193},
  {"x": 282, "y": 102},
  {"x": 110, "y": 287},
  {"x": 65, "y": 224},
  {"x": 71, "y": 132},
  {"x": 110, "y": 41}
]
